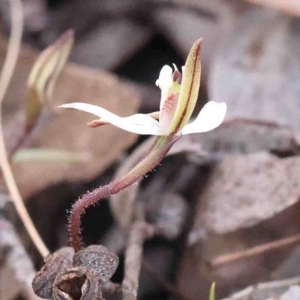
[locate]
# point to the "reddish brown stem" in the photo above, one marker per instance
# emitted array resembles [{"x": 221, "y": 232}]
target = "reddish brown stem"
[{"x": 159, "y": 150}]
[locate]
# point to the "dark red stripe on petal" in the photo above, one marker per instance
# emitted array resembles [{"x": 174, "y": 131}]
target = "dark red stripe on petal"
[{"x": 190, "y": 90}]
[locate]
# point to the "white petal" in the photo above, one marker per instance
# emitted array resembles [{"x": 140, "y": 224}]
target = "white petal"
[
  {"x": 210, "y": 117},
  {"x": 165, "y": 76},
  {"x": 140, "y": 124}
]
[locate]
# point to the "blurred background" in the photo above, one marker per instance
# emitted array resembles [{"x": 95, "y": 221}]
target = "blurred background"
[{"x": 223, "y": 192}]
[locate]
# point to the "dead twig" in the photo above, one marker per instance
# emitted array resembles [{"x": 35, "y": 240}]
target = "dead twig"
[
  {"x": 248, "y": 253},
  {"x": 134, "y": 253},
  {"x": 6, "y": 74},
  {"x": 138, "y": 233}
]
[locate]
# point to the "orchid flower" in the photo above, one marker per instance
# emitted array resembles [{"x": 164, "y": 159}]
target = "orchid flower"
[{"x": 179, "y": 93}]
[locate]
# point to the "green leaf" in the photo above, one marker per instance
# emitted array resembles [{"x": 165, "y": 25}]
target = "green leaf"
[
  {"x": 44, "y": 74},
  {"x": 46, "y": 154},
  {"x": 212, "y": 291}
]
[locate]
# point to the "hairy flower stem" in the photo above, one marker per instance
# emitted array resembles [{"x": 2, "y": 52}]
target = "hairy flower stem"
[{"x": 155, "y": 155}]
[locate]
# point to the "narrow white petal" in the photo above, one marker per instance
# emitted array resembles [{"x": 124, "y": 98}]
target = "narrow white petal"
[
  {"x": 140, "y": 124},
  {"x": 175, "y": 67},
  {"x": 210, "y": 117},
  {"x": 141, "y": 119}
]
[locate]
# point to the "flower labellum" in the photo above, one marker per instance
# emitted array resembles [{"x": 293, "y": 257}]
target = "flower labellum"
[
  {"x": 170, "y": 88},
  {"x": 179, "y": 94}
]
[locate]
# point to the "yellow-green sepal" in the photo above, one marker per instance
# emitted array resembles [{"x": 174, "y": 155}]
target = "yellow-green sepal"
[{"x": 189, "y": 89}]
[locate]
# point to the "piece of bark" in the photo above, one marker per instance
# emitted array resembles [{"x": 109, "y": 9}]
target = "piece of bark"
[
  {"x": 256, "y": 68},
  {"x": 67, "y": 130}
]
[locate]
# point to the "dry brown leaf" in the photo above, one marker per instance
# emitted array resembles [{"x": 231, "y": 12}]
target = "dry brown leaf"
[
  {"x": 183, "y": 27},
  {"x": 277, "y": 290},
  {"x": 256, "y": 69},
  {"x": 188, "y": 21},
  {"x": 247, "y": 189},
  {"x": 236, "y": 276},
  {"x": 67, "y": 130},
  {"x": 242, "y": 191},
  {"x": 241, "y": 136},
  {"x": 289, "y": 6},
  {"x": 289, "y": 268},
  {"x": 111, "y": 43}
]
